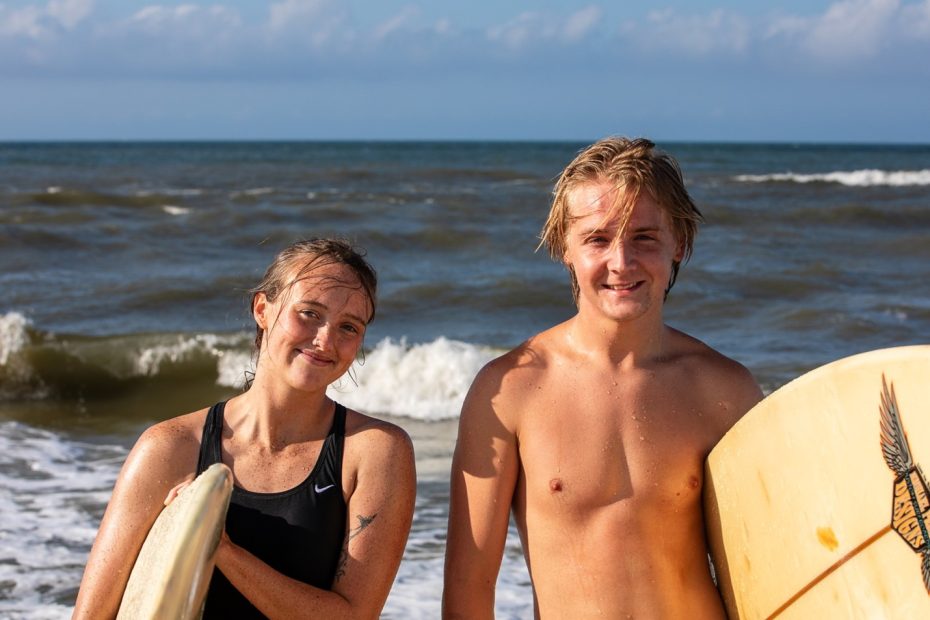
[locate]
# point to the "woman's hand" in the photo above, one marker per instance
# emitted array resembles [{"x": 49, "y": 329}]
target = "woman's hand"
[{"x": 176, "y": 490}]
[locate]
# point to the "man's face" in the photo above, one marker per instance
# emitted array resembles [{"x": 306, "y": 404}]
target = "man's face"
[{"x": 621, "y": 276}]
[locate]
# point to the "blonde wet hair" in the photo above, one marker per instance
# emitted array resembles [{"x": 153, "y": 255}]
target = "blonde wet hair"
[{"x": 631, "y": 166}]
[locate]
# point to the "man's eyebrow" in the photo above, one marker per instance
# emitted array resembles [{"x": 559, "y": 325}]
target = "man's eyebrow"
[{"x": 594, "y": 231}]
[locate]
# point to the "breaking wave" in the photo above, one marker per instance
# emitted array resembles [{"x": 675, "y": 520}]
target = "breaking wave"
[{"x": 855, "y": 178}]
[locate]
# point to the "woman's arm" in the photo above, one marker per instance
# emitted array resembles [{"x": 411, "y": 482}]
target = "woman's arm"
[
  {"x": 380, "y": 511},
  {"x": 163, "y": 456}
]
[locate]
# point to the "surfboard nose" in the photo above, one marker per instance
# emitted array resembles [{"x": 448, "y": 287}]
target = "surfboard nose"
[{"x": 172, "y": 573}]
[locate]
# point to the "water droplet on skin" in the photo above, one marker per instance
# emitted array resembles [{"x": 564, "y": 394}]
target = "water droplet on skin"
[{"x": 641, "y": 438}]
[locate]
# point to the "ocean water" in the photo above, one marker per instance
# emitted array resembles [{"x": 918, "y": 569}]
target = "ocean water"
[{"x": 125, "y": 268}]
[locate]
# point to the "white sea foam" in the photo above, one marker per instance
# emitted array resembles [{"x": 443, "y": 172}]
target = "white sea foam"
[
  {"x": 254, "y": 191},
  {"x": 416, "y": 594},
  {"x": 52, "y": 490},
  {"x": 175, "y": 210},
  {"x": 169, "y": 192},
  {"x": 231, "y": 368},
  {"x": 13, "y": 335},
  {"x": 148, "y": 361},
  {"x": 424, "y": 381},
  {"x": 54, "y": 189},
  {"x": 855, "y": 178}
]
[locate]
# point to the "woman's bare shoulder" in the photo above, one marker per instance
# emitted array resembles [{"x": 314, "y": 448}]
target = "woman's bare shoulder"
[
  {"x": 172, "y": 445},
  {"x": 370, "y": 431}
]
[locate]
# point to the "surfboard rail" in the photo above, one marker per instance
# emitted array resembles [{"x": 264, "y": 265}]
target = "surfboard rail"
[
  {"x": 172, "y": 572},
  {"x": 815, "y": 502}
]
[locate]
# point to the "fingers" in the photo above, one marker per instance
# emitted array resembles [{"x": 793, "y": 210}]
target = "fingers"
[{"x": 173, "y": 493}]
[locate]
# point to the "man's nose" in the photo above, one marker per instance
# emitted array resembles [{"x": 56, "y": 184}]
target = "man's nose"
[{"x": 621, "y": 256}]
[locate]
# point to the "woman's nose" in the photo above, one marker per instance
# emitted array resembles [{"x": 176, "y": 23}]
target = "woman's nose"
[{"x": 323, "y": 337}]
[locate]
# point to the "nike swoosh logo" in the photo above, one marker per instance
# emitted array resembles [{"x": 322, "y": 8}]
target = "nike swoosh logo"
[{"x": 320, "y": 489}]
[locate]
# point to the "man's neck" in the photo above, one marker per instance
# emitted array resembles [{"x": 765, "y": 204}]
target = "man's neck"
[{"x": 632, "y": 342}]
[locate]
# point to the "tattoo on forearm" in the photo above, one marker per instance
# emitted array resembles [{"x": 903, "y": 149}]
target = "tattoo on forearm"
[{"x": 363, "y": 522}]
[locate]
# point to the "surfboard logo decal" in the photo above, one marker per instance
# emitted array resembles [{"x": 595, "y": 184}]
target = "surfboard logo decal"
[{"x": 911, "y": 502}]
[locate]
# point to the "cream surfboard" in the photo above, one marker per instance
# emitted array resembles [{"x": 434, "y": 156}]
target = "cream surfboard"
[
  {"x": 816, "y": 503},
  {"x": 171, "y": 574}
]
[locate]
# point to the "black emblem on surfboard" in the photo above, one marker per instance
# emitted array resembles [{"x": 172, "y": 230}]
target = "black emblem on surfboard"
[{"x": 911, "y": 508}]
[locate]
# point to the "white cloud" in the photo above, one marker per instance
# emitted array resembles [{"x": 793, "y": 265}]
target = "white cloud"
[
  {"x": 851, "y": 29},
  {"x": 292, "y": 14},
  {"x": 24, "y": 22},
  {"x": 395, "y": 23},
  {"x": 442, "y": 26},
  {"x": 915, "y": 20},
  {"x": 184, "y": 20},
  {"x": 519, "y": 31},
  {"x": 36, "y": 22},
  {"x": 581, "y": 23},
  {"x": 307, "y": 37},
  {"x": 69, "y": 13},
  {"x": 693, "y": 34},
  {"x": 317, "y": 22},
  {"x": 533, "y": 28}
]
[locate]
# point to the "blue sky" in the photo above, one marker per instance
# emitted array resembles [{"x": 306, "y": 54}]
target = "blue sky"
[{"x": 842, "y": 71}]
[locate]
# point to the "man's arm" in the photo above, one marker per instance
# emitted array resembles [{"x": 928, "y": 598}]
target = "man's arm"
[{"x": 484, "y": 473}]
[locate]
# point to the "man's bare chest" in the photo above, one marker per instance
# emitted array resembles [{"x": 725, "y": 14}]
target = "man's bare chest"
[{"x": 595, "y": 445}]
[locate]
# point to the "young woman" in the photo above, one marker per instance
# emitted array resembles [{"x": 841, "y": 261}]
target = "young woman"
[{"x": 323, "y": 497}]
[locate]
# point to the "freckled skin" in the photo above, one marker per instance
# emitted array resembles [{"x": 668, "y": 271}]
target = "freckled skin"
[
  {"x": 594, "y": 433},
  {"x": 272, "y": 436}
]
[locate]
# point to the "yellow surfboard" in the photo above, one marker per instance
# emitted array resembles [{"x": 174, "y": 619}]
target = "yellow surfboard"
[
  {"x": 816, "y": 503},
  {"x": 173, "y": 570}
]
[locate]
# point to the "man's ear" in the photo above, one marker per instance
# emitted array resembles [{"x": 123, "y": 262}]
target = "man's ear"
[
  {"x": 260, "y": 308},
  {"x": 680, "y": 252}
]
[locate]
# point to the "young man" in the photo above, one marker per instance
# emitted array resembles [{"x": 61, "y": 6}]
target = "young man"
[{"x": 596, "y": 430}]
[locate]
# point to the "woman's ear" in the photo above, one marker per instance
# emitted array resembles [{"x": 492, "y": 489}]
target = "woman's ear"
[{"x": 260, "y": 308}]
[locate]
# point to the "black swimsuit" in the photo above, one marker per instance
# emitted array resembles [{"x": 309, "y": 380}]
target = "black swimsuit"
[{"x": 298, "y": 532}]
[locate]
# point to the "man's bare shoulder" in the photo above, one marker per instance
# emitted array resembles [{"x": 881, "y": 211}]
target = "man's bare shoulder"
[
  {"x": 524, "y": 366},
  {"x": 718, "y": 376},
  {"x": 501, "y": 388}
]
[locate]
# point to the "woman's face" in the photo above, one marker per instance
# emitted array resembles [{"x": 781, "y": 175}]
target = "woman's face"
[{"x": 314, "y": 329}]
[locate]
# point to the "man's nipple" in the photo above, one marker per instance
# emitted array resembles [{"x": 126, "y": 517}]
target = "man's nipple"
[{"x": 555, "y": 485}]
